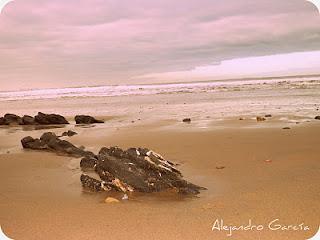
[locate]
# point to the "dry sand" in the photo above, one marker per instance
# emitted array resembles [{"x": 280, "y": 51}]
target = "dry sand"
[{"x": 269, "y": 173}]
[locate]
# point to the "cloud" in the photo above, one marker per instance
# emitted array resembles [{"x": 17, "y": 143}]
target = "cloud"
[
  {"x": 275, "y": 65},
  {"x": 72, "y": 43}
]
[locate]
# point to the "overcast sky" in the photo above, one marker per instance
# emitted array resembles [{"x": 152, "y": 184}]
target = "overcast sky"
[{"x": 59, "y": 43}]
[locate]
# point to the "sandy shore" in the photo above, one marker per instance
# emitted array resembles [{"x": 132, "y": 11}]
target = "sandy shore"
[{"x": 269, "y": 174}]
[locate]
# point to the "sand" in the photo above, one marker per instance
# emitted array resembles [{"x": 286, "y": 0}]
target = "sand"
[{"x": 267, "y": 173}]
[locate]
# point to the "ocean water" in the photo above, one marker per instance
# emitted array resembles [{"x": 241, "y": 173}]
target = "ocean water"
[{"x": 128, "y": 90}]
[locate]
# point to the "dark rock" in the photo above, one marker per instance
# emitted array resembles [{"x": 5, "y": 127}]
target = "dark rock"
[
  {"x": 88, "y": 163},
  {"x": 268, "y": 116},
  {"x": 50, "y": 119},
  {"x": 91, "y": 183},
  {"x": 50, "y": 142},
  {"x": 69, "y": 133},
  {"x": 317, "y": 118},
  {"x": 142, "y": 170},
  {"x": 220, "y": 167},
  {"x": 2, "y": 121},
  {"x": 286, "y": 128},
  {"x": 187, "y": 120},
  {"x": 84, "y": 119},
  {"x": 35, "y": 144},
  {"x": 28, "y": 120},
  {"x": 12, "y": 119}
]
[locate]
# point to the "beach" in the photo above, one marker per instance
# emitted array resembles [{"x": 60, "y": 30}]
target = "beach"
[{"x": 256, "y": 173}]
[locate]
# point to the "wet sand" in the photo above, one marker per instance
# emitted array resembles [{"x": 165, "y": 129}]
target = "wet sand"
[{"x": 269, "y": 173}]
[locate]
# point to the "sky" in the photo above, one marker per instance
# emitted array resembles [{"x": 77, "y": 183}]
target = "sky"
[{"x": 59, "y": 43}]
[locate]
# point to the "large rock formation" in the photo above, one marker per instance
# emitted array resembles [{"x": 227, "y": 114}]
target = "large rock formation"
[
  {"x": 84, "y": 119},
  {"x": 50, "y": 119},
  {"x": 135, "y": 169},
  {"x": 140, "y": 169}
]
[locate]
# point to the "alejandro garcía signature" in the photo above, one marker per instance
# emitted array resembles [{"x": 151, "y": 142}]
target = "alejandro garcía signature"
[{"x": 273, "y": 225}]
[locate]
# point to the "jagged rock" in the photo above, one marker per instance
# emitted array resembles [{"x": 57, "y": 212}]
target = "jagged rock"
[
  {"x": 187, "y": 120},
  {"x": 69, "y": 133},
  {"x": 48, "y": 119},
  {"x": 140, "y": 170},
  {"x": 317, "y": 118},
  {"x": 91, "y": 183},
  {"x": 12, "y": 119},
  {"x": 84, "y": 119},
  {"x": 50, "y": 142},
  {"x": 28, "y": 120}
]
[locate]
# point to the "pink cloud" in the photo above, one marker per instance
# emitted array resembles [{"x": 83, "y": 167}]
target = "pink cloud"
[{"x": 61, "y": 43}]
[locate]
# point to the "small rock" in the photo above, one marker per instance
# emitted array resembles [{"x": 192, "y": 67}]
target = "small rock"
[
  {"x": 286, "y": 128},
  {"x": 317, "y": 118},
  {"x": 220, "y": 167},
  {"x": 111, "y": 200},
  {"x": 241, "y": 119},
  {"x": 69, "y": 133},
  {"x": 260, "y": 119},
  {"x": 268, "y": 161},
  {"x": 187, "y": 120},
  {"x": 84, "y": 119},
  {"x": 268, "y": 116}
]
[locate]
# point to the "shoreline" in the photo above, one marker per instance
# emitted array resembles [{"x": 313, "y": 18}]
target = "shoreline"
[{"x": 249, "y": 187}]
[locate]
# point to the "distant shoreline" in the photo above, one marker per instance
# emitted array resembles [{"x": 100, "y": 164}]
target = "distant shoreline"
[{"x": 172, "y": 83}]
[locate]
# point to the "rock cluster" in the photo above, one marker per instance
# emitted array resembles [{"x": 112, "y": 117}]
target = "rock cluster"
[
  {"x": 51, "y": 142},
  {"x": 135, "y": 169},
  {"x": 39, "y": 119},
  {"x": 45, "y": 119}
]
